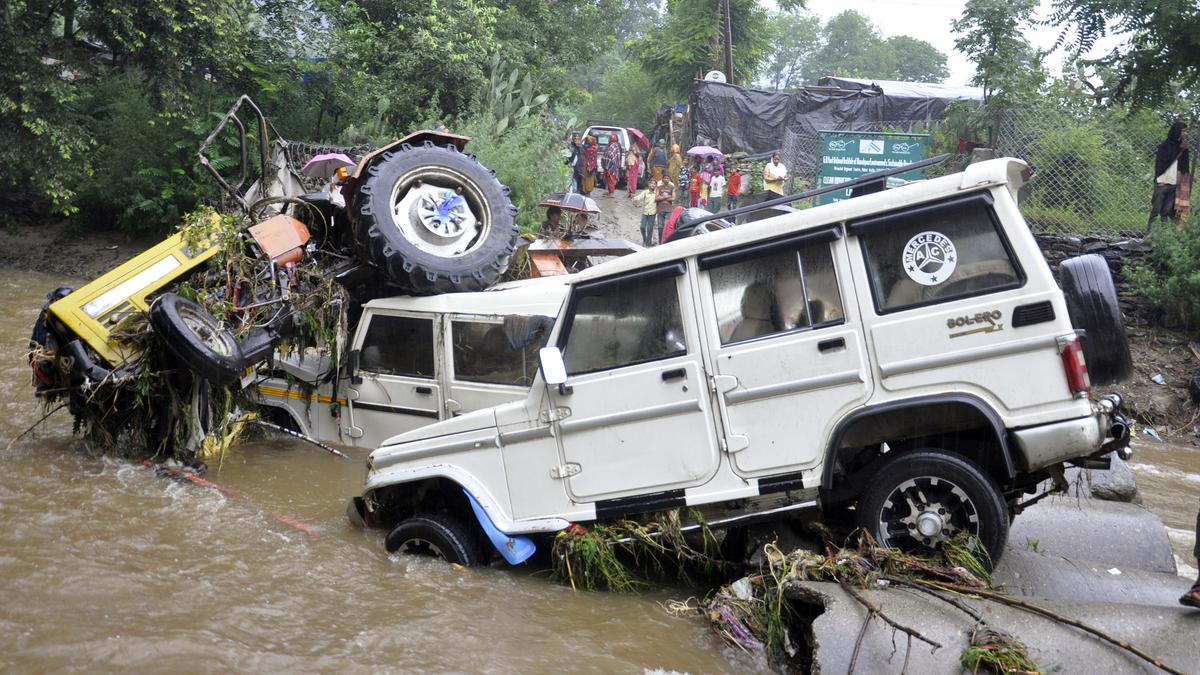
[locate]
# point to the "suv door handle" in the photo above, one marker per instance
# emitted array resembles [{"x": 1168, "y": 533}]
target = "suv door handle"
[
  {"x": 674, "y": 374},
  {"x": 832, "y": 343},
  {"x": 422, "y": 389}
]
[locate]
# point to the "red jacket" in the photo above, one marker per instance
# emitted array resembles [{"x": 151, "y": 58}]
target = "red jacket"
[{"x": 734, "y": 185}]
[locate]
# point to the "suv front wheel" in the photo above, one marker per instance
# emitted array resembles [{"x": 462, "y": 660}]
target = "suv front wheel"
[{"x": 919, "y": 500}]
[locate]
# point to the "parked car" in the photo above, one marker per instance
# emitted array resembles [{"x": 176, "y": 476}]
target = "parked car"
[
  {"x": 413, "y": 361},
  {"x": 905, "y": 356}
]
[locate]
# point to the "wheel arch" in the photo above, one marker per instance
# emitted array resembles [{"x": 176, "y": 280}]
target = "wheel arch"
[{"x": 877, "y": 424}]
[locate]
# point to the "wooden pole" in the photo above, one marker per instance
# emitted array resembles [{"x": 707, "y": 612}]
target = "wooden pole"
[{"x": 728, "y": 46}]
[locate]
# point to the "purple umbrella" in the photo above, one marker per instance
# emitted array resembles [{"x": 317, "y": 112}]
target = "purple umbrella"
[
  {"x": 704, "y": 151},
  {"x": 324, "y": 166}
]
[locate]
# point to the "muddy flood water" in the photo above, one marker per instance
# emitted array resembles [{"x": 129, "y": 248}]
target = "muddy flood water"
[{"x": 104, "y": 564}]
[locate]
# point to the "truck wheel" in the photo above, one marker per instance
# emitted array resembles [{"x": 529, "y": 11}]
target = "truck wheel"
[
  {"x": 439, "y": 535},
  {"x": 435, "y": 220},
  {"x": 1092, "y": 305},
  {"x": 193, "y": 335},
  {"x": 918, "y": 500}
]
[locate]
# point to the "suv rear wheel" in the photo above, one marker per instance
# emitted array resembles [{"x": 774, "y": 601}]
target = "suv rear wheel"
[{"x": 919, "y": 500}]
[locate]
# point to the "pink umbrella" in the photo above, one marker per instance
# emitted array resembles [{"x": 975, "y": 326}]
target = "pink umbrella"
[
  {"x": 704, "y": 151},
  {"x": 324, "y": 166}
]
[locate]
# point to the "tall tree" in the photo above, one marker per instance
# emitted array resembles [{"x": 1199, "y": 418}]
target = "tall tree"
[
  {"x": 690, "y": 42},
  {"x": 991, "y": 34},
  {"x": 1161, "y": 54},
  {"x": 917, "y": 60},
  {"x": 798, "y": 39},
  {"x": 853, "y": 48}
]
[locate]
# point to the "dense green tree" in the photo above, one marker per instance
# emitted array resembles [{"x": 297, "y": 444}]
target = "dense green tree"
[
  {"x": 991, "y": 34},
  {"x": 797, "y": 42},
  {"x": 1160, "y": 56},
  {"x": 917, "y": 60},
  {"x": 853, "y": 47},
  {"x": 689, "y": 42}
]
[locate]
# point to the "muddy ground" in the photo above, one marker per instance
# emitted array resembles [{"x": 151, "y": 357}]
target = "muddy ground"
[{"x": 62, "y": 249}]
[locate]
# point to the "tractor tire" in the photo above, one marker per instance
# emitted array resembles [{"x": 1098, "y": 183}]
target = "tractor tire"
[
  {"x": 435, "y": 220},
  {"x": 197, "y": 339},
  {"x": 1093, "y": 307}
]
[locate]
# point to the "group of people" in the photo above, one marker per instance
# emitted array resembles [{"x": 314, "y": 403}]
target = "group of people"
[{"x": 588, "y": 166}]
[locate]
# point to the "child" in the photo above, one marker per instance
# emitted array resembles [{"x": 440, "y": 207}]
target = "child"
[
  {"x": 716, "y": 191},
  {"x": 649, "y": 205},
  {"x": 694, "y": 190},
  {"x": 734, "y": 187}
]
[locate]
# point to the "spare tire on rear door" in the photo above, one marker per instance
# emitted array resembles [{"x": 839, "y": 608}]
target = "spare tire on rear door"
[
  {"x": 197, "y": 338},
  {"x": 435, "y": 220},
  {"x": 1092, "y": 304}
]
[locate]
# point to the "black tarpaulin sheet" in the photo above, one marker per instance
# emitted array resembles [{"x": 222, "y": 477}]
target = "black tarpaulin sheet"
[{"x": 735, "y": 119}]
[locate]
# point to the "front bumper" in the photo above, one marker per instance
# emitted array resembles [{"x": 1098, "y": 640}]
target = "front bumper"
[{"x": 1105, "y": 430}]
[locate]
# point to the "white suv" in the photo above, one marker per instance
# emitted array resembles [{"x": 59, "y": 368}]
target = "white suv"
[{"x": 906, "y": 353}]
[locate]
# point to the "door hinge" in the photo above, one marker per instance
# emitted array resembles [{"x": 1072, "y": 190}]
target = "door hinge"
[
  {"x": 555, "y": 415},
  {"x": 565, "y": 470},
  {"x": 719, "y": 384},
  {"x": 735, "y": 443}
]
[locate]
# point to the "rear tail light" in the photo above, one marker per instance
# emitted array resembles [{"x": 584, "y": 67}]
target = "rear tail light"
[{"x": 1071, "y": 350}]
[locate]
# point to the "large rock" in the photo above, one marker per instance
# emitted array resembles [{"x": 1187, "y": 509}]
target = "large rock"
[{"x": 1115, "y": 484}]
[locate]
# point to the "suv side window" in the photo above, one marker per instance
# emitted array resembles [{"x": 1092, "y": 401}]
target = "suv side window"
[
  {"x": 780, "y": 291},
  {"x": 936, "y": 254},
  {"x": 484, "y": 352},
  {"x": 398, "y": 345},
  {"x": 623, "y": 322}
]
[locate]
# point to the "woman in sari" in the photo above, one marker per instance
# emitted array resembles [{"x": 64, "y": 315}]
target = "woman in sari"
[
  {"x": 589, "y": 166},
  {"x": 612, "y": 164},
  {"x": 633, "y": 169}
]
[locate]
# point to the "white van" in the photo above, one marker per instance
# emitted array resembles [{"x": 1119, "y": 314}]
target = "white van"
[{"x": 413, "y": 361}]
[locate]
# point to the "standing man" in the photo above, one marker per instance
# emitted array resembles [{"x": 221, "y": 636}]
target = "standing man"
[
  {"x": 716, "y": 191},
  {"x": 646, "y": 199},
  {"x": 774, "y": 173},
  {"x": 664, "y": 197},
  {"x": 1170, "y": 160},
  {"x": 573, "y": 160},
  {"x": 1192, "y": 597},
  {"x": 657, "y": 157},
  {"x": 735, "y": 186}
]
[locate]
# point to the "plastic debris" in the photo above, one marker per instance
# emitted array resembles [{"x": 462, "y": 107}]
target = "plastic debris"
[
  {"x": 1152, "y": 434},
  {"x": 1158, "y": 379}
]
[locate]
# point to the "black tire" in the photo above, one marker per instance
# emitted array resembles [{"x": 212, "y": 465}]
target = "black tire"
[
  {"x": 407, "y": 251},
  {"x": 439, "y": 535},
  {"x": 1093, "y": 306},
  {"x": 957, "y": 493},
  {"x": 197, "y": 339}
]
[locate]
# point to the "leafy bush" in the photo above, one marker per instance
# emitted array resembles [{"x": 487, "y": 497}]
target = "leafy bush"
[
  {"x": 1070, "y": 161},
  {"x": 527, "y": 158},
  {"x": 1169, "y": 276},
  {"x": 144, "y": 174}
]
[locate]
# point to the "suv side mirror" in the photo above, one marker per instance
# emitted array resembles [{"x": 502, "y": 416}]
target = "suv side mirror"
[
  {"x": 554, "y": 371},
  {"x": 352, "y": 367}
]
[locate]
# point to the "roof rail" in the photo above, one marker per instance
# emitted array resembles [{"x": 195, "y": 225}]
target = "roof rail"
[{"x": 861, "y": 180}]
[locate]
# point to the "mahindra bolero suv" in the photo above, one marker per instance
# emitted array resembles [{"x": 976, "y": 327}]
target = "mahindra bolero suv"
[{"x": 905, "y": 357}]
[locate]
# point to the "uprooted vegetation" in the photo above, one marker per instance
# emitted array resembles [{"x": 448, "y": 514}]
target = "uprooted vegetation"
[
  {"x": 767, "y": 609},
  {"x": 151, "y": 405}
]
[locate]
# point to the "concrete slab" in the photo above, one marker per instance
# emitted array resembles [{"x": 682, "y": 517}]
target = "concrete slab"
[
  {"x": 1170, "y": 634},
  {"x": 1113, "y": 534},
  {"x": 1042, "y": 575}
]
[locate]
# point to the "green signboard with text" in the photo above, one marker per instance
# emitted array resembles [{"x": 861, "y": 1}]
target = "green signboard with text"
[{"x": 846, "y": 155}]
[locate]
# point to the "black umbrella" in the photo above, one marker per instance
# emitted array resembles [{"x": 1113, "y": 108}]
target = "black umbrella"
[{"x": 571, "y": 201}]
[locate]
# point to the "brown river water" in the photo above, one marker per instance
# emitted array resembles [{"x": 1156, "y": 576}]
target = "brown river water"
[{"x": 105, "y": 565}]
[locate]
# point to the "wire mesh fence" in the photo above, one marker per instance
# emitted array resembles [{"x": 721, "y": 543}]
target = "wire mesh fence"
[{"x": 1091, "y": 176}]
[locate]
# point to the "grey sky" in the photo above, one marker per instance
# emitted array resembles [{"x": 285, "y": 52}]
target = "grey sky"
[{"x": 929, "y": 20}]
